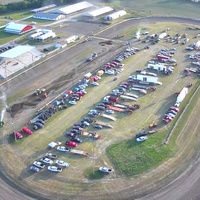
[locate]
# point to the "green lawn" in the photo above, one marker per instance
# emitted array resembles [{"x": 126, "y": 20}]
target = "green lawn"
[
  {"x": 16, "y": 15},
  {"x": 160, "y": 7},
  {"x": 6, "y": 37}
]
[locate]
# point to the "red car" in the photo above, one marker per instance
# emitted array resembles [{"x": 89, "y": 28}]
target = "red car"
[
  {"x": 174, "y": 108},
  {"x": 71, "y": 144},
  {"x": 26, "y": 130},
  {"x": 17, "y": 135}
]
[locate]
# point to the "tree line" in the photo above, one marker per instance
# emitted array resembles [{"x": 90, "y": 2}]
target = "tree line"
[{"x": 30, "y": 4}]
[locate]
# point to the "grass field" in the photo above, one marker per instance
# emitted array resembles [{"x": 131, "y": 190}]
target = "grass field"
[
  {"x": 124, "y": 155},
  {"x": 16, "y": 15},
  {"x": 160, "y": 7},
  {"x": 6, "y": 37}
]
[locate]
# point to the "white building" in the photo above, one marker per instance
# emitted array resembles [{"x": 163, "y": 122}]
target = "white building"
[
  {"x": 42, "y": 34},
  {"x": 48, "y": 16},
  {"x": 115, "y": 15},
  {"x": 150, "y": 79},
  {"x": 43, "y": 8},
  {"x": 73, "y": 8},
  {"x": 72, "y": 39},
  {"x": 98, "y": 12},
  {"x": 157, "y": 67}
]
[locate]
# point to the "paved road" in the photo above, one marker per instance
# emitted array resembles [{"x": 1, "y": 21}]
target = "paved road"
[{"x": 186, "y": 187}]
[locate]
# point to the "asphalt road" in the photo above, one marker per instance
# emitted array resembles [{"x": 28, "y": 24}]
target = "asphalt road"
[{"x": 185, "y": 187}]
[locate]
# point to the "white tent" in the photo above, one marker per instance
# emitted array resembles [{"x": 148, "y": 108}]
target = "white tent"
[
  {"x": 73, "y": 8},
  {"x": 98, "y": 12},
  {"x": 115, "y": 15}
]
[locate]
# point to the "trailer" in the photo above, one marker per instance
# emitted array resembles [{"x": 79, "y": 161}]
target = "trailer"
[
  {"x": 128, "y": 98},
  {"x": 108, "y": 117},
  {"x": 157, "y": 67},
  {"x": 103, "y": 124},
  {"x": 182, "y": 95},
  {"x": 79, "y": 152},
  {"x": 132, "y": 95},
  {"x": 118, "y": 105},
  {"x": 93, "y": 135},
  {"x": 115, "y": 108},
  {"x": 139, "y": 86}
]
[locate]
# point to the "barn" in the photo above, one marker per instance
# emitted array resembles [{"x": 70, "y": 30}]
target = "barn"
[
  {"x": 43, "y": 8},
  {"x": 98, "y": 12},
  {"x": 73, "y": 8},
  {"x": 48, "y": 16},
  {"x": 17, "y": 58},
  {"x": 17, "y": 28},
  {"x": 115, "y": 15}
]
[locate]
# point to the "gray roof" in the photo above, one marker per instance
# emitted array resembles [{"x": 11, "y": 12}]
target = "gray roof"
[{"x": 46, "y": 15}]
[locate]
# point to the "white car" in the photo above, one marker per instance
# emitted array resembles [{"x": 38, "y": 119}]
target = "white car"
[
  {"x": 105, "y": 169},
  {"x": 63, "y": 149},
  {"x": 46, "y": 160},
  {"x": 62, "y": 163},
  {"x": 72, "y": 102},
  {"x": 110, "y": 111},
  {"x": 95, "y": 83},
  {"x": 39, "y": 164},
  {"x": 141, "y": 139},
  {"x": 54, "y": 169}
]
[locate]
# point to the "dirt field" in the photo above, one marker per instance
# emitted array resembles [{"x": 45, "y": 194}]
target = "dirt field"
[{"x": 49, "y": 76}]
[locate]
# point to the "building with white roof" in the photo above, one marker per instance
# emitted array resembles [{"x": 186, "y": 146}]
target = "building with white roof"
[
  {"x": 15, "y": 59},
  {"x": 17, "y": 28},
  {"x": 73, "y": 8},
  {"x": 43, "y": 8},
  {"x": 48, "y": 16},
  {"x": 98, "y": 12},
  {"x": 115, "y": 15}
]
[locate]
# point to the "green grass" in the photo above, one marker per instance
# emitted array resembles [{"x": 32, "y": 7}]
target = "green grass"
[
  {"x": 2, "y": 23},
  {"x": 6, "y": 37},
  {"x": 132, "y": 158},
  {"x": 93, "y": 173},
  {"x": 160, "y": 7},
  {"x": 16, "y": 15}
]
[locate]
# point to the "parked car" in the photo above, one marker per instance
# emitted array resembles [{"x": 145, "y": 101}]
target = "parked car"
[
  {"x": 34, "y": 169},
  {"x": 70, "y": 134},
  {"x": 71, "y": 144},
  {"x": 54, "y": 169},
  {"x": 140, "y": 134},
  {"x": 17, "y": 135},
  {"x": 98, "y": 126},
  {"x": 110, "y": 111},
  {"x": 39, "y": 164},
  {"x": 174, "y": 108},
  {"x": 50, "y": 155},
  {"x": 46, "y": 160},
  {"x": 105, "y": 169},
  {"x": 62, "y": 163},
  {"x": 141, "y": 139},
  {"x": 76, "y": 139},
  {"x": 63, "y": 149},
  {"x": 72, "y": 102},
  {"x": 26, "y": 130},
  {"x": 76, "y": 132}
]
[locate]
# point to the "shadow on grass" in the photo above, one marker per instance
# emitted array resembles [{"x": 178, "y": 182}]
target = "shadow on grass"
[{"x": 93, "y": 174}]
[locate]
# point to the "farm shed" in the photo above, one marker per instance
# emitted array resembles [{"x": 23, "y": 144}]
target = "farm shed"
[
  {"x": 115, "y": 15},
  {"x": 157, "y": 67},
  {"x": 35, "y": 35},
  {"x": 150, "y": 79},
  {"x": 98, "y": 12},
  {"x": 43, "y": 8},
  {"x": 17, "y": 28},
  {"x": 17, "y": 58},
  {"x": 48, "y": 16},
  {"x": 46, "y": 35},
  {"x": 182, "y": 95},
  {"x": 73, "y": 8},
  {"x": 61, "y": 44}
]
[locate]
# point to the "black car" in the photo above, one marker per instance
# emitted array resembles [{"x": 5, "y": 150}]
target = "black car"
[
  {"x": 140, "y": 134},
  {"x": 76, "y": 139},
  {"x": 75, "y": 131},
  {"x": 70, "y": 134},
  {"x": 100, "y": 107},
  {"x": 98, "y": 126}
]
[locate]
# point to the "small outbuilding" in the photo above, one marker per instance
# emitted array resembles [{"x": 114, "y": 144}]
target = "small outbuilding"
[
  {"x": 17, "y": 28},
  {"x": 98, "y": 12},
  {"x": 115, "y": 15},
  {"x": 48, "y": 16}
]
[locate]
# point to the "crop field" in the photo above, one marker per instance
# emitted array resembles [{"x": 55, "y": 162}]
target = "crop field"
[
  {"x": 117, "y": 147},
  {"x": 160, "y": 7}
]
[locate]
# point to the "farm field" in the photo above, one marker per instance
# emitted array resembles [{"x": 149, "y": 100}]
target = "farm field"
[
  {"x": 153, "y": 107},
  {"x": 159, "y": 7}
]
